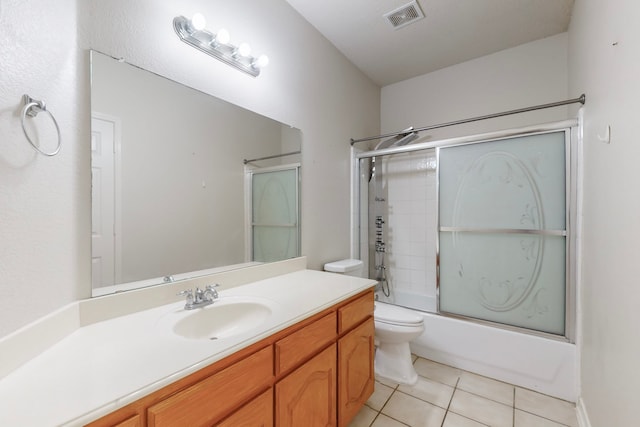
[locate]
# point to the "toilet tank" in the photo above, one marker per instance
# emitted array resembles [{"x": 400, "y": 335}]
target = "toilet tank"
[{"x": 350, "y": 267}]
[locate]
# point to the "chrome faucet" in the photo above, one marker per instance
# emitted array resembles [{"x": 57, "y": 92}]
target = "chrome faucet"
[{"x": 200, "y": 298}]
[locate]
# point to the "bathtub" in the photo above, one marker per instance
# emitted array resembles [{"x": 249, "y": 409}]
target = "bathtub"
[
  {"x": 416, "y": 301},
  {"x": 541, "y": 364}
]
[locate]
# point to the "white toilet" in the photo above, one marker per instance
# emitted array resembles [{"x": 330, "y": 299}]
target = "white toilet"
[{"x": 394, "y": 328}]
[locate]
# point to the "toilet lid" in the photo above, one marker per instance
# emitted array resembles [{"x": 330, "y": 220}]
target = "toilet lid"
[{"x": 389, "y": 313}]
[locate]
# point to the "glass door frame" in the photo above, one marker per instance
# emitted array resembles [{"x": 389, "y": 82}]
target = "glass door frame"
[
  {"x": 249, "y": 172},
  {"x": 571, "y": 164},
  {"x": 573, "y": 141}
]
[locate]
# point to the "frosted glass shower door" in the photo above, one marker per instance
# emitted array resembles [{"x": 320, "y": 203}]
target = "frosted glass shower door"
[
  {"x": 503, "y": 231},
  {"x": 274, "y": 218}
]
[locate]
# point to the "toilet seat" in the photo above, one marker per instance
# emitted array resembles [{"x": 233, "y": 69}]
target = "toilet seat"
[{"x": 394, "y": 315}]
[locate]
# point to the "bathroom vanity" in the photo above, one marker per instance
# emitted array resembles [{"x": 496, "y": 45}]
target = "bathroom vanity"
[
  {"x": 313, "y": 373},
  {"x": 309, "y": 362}
]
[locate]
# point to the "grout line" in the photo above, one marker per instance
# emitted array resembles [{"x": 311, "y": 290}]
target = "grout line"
[
  {"x": 464, "y": 416},
  {"x": 374, "y": 419},
  {"x": 455, "y": 387},
  {"x": 513, "y": 421},
  {"x": 385, "y": 404},
  {"x": 542, "y": 416},
  {"x": 388, "y": 398},
  {"x": 486, "y": 398},
  {"x": 398, "y": 421},
  {"x": 470, "y": 419}
]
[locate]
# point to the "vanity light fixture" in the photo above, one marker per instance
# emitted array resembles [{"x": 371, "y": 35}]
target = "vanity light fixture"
[{"x": 193, "y": 32}]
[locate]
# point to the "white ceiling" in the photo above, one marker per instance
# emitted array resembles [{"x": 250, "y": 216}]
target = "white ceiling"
[{"x": 453, "y": 31}]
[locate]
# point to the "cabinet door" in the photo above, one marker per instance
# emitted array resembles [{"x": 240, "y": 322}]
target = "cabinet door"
[
  {"x": 257, "y": 413},
  {"x": 307, "y": 397},
  {"x": 355, "y": 370}
]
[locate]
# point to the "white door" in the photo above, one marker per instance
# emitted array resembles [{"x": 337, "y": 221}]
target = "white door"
[{"x": 103, "y": 202}]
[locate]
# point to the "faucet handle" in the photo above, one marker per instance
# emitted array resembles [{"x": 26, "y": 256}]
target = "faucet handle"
[
  {"x": 188, "y": 293},
  {"x": 211, "y": 290},
  {"x": 190, "y": 299}
]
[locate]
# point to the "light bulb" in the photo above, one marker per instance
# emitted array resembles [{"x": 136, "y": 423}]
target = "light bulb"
[
  {"x": 223, "y": 36},
  {"x": 198, "y": 22},
  {"x": 261, "y": 62},
  {"x": 244, "y": 49}
]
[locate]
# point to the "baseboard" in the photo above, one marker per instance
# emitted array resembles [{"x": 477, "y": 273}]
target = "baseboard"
[{"x": 581, "y": 411}]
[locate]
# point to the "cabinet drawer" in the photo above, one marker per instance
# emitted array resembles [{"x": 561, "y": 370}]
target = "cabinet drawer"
[
  {"x": 300, "y": 345},
  {"x": 134, "y": 421},
  {"x": 355, "y": 312},
  {"x": 258, "y": 412},
  {"x": 215, "y": 397}
]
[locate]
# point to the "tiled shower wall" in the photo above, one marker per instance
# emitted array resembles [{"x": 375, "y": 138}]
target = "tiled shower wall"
[{"x": 410, "y": 214}]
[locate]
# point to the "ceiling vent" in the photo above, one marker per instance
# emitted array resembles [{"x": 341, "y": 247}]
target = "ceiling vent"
[{"x": 405, "y": 15}]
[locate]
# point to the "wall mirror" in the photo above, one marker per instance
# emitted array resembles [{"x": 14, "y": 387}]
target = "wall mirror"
[{"x": 183, "y": 183}]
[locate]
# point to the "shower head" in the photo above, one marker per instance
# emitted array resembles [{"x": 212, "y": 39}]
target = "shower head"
[
  {"x": 396, "y": 141},
  {"x": 399, "y": 140},
  {"x": 407, "y": 138}
]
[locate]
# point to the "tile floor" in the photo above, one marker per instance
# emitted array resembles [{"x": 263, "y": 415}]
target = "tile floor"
[{"x": 449, "y": 397}]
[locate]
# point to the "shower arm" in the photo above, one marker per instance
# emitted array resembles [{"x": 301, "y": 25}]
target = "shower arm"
[{"x": 581, "y": 99}]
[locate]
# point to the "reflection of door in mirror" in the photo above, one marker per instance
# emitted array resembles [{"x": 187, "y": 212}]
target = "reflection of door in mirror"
[
  {"x": 275, "y": 225},
  {"x": 105, "y": 200}
]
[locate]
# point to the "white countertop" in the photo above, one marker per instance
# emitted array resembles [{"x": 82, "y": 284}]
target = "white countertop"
[{"x": 106, "y": 365}]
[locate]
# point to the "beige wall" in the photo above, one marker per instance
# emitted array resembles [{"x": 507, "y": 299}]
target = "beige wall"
[
  {"x": 530, "y": 74},
  {"x": 45, "y": 203},
  {"x": 605, "y": 64}
]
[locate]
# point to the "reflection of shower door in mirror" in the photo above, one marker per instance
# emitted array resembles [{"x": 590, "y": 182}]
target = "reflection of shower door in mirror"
[
  {"x": 275, "y": 225},
  {"x": 104, "y": 200}
]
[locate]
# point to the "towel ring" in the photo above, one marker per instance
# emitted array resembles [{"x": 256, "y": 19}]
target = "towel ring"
[{"x": 31, "y": 108}]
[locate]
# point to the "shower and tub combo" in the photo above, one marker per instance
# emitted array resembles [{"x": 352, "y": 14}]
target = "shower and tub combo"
[{"x": 473, "y": 240}]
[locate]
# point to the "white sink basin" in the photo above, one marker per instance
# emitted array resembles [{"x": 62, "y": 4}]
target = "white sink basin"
[{"x": 224, "y": 318}]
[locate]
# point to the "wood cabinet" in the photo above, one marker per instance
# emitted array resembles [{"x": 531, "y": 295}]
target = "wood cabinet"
[
  {"x": 304, "y": 343},
  {"x": 214, "y": 397},
  {"x": 257, "y": 413},
  {"x": 355, "y": 367},
  {"x": 134, "y": 421},
  {"x": 318, "y": 372},
  {"x": 307, "y": 397}
]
